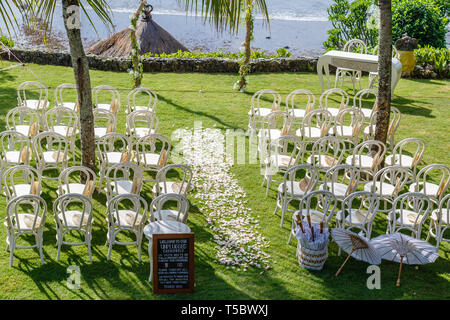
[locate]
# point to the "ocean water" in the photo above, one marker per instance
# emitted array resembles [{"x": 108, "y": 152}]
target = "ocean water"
[{"x": 299, "y": 25}]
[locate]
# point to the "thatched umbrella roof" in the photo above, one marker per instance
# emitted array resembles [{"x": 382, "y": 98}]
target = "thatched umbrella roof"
[{"x": 152, "y": 36}]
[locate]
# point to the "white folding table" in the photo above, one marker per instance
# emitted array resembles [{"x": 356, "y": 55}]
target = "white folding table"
[{"x": 355, "y": 61}]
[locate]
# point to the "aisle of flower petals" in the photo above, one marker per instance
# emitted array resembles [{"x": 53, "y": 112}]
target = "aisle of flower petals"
[{"x": 222, "y": 200}]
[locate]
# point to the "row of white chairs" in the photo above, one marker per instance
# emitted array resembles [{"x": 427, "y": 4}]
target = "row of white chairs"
[
  {"x": 73, "y": 212},
  {"x": 409, "y": 212}
]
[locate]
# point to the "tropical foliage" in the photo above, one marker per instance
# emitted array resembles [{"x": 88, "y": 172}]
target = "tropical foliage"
[
  {"x": 256, "y": 54},
  {"x": 7, "y": 41}
]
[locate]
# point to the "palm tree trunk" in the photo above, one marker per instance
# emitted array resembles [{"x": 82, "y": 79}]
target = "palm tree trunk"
[
  {"x": 384, "y": 71},
  {"x": 135, "y": 57},
  {"x": 83, "y": 82},
  {"x": 248, "y": 38}
]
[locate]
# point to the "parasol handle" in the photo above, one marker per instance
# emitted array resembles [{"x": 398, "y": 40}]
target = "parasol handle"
[
  {"x": 349, "y": 255},
  {"x": 400, "y": 271},
  {"x": 312, "y": 233},
  {"x": 300, "y": 223},
  {"x": 308, "y": 217},
  {"x": 321, "y": 226}
]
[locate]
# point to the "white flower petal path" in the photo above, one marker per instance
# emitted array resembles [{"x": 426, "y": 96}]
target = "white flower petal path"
[{"x": 239, "y": 244}]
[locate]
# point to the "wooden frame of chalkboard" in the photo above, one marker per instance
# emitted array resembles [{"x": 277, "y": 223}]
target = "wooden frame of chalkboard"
[{"x": 164, "y": 283}]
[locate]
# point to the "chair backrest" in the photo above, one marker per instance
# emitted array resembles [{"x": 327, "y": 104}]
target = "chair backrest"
[
  {"x": 394, "y": 122},
  {"x": 319, "y": 201},
  {"x": 32, "y": 209},
  {"x": 35, "y": 87},
  {"x": 320, "y": 119},
  {"x": 114, "y": 143},
  {"x": 416, "y": 144},
  {"x": 329, "y": 149},
  {"x": 76, "y": 207},
  {"x": 115, "y": 97},
  {"x": 374, "y": 148},
  {"x": 396, "y": 176},
  {"x": 59, "y": 101},
  {"x": 257, "y": 98},
  {"x": 49, "y": 141},
  {"x": 444, "y": 213},
  {"x": 360, "y": 96},
  {"x": 290, "y": 147},
  {"x": 15, "y": 179},
  {"x": 363, "y": 202},
  {"x": 152, "y": 99},
  {"x": 355, "y": 45},
  {"x": 342, "y": 174},
  {"x": 305, "y": 175},
  {"x": 183, "y": 181},
  {"x": 23, "y": 116},
  {"x": 15, "y": 148},
  {"x": 441, "y": 174},
  {"x": 349, "y": 117},
  {"x": 343, "y": 98},
  {"x": 62, "y": 116},
  {"x": 394, "y": 51},
  {"x": 79, "y": 175},
  {"x": 153, "y": 144},
  {"x": 133, "y": 205},
  {"x": 158, "y": 206},
  {"x": 118, "y": 173},
  {"x": 105, "y": 119},
  {"x": 290, "y": 100},
  {"x": 413, "y": 209},
  {"x": 142, "y": 119}
]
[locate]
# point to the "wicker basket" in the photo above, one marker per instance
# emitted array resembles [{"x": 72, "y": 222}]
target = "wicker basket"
[{"x": 311, "y": 259}]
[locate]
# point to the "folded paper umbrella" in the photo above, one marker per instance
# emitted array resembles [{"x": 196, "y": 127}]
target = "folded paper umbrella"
[
  {"x": 356, "y": 246},
  {"x": 404, "y": 249}
]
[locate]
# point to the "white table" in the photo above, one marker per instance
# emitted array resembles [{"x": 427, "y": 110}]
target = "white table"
[
  {"x": 355, "y": 61},
  {"x": 161, "y": 227}
]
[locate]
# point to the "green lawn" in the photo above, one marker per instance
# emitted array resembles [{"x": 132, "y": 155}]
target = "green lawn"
[{"x": 183, "y": 99}]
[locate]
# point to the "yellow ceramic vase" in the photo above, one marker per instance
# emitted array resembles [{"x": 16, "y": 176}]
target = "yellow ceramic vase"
[{"x": 408, "y": 61}]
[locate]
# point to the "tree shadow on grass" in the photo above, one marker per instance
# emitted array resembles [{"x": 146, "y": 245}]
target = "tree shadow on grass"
[{"x": 413, "y": 107}]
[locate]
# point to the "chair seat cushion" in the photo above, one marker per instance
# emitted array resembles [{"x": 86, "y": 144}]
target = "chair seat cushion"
[
  {"x": 387, "y": 190},
  {"x": 73, "y": 219}
]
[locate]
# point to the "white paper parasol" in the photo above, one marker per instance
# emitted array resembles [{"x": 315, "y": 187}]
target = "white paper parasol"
[
  {"x": 401, "y": 248},
  {"x": 356, "y": 246}
]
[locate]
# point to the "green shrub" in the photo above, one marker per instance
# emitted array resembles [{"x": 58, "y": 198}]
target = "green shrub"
[
  {"x": 6, "y": 41},
  {"x": 281, "y": 53},
  {"x": 444, "y": 5},
  {"x": 438, "y": 57},
  {"x": 420, "y": 19}
]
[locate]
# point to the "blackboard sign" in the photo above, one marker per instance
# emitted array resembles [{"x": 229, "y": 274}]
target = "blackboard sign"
[{"x": 173, "y": 263}]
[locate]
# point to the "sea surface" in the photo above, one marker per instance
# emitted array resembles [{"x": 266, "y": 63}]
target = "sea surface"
[{"x": 299, "y": 25}]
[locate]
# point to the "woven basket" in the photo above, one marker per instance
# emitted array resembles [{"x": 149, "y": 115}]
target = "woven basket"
[{"x": 311, "y": 259}]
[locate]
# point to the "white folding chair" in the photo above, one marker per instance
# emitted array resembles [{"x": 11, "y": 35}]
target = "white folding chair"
[
  {"x": 141, "y": 124},
  {"x": 348, "y": 124},
  {"x": 358, "y": 212},
  {"x": 319, "y": 205},
  {"x": 126, "y": 212},
  {"x": 73, "y": 213},
  {"x": 440, "y": 221},
  {"x": 395, "y": 117},
  {"x": 101, "y": 93},
  {"x": 367, "y": 156},
  {"x": 23, "y": 120},
  {"x": 14, "y": 149},
  {"x": 315, "y": 125},
  {"x": 326, "y": 153},
  {"x": 152, "y": 152},
  {"x": 59, "y": 100},
  {"x": 34, "y": 89},
  {"x": 21, "y": 180},
  {"x": 112, "y": 148},
  {"x": 63, "y": 121},
  {"x": 387, "y": 183},
  {"x": 25, "y": 215},
  {"x": 123, "y": 178},
  {"x": 409, "y": 213},
  {"x": 259, "y": 109},
  {"x": 133, "y": 106},
  {"x": 161, "y": 211},
  {"x": 342, "y": 100},
  {"x": 359, "y": 103},
  {"x": 400, "y": 158},
  {"x": 297, "y": 182},
  {"x": 77, "y": 180},
  {"x": 180, "y": 184},
  {"x": 341, "y": 180},
  {"x": 353, "y": 45},
  {"x": 284, "y": 153},
  {"x": 51, "y": 152},
  {"x": 434, "y": 191},
  {"x": 297, "y": 114},
  {"x": 105, "y": 122}
]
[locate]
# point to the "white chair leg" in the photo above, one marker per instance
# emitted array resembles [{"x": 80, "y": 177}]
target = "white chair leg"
[
  {"x": 40, "y": 241},
  {"x": 88, "y": 242},
  {"x": 111, "y": 240},
  {"x": 150, "y": 255},
  {"x": 269, "y": 180},
  {"x": 12, "y": 246}
]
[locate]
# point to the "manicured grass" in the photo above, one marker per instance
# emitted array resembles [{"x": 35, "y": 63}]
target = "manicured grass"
[{"x": 209, "y": 98}]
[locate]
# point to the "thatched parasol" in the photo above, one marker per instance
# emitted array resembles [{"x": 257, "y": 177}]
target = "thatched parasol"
[{"x": 152, "y": 36}]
